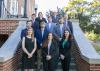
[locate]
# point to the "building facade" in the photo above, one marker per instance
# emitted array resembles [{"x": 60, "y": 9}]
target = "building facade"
[{"x": 16, "y": 8}]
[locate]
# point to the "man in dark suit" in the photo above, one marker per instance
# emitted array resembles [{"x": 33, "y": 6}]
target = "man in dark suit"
[
  {"x": 24, "y": 31},
  {"x": 55, "y": 18},
  {"x": 35, "y": 24},
  {"x": 40, "y": 35}
]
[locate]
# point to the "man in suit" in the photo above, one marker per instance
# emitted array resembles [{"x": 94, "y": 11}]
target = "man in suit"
[
  {"x": 59, "y": 29},
  {"x": 50, "y": 25},
  {"x": 55, "y": 18},
  {"x": 35, "y": 24},
  {"x": 68, "y": 23},
  {"x": 40, "y": 35},
  {"x": 24, "y": 31}
]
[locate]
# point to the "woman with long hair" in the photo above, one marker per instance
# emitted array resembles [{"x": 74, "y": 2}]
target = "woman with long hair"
[
  {"x": 49, "y": 52},
  {"x": 65, "y": 50},
  {"x": 29, "y": 47}
]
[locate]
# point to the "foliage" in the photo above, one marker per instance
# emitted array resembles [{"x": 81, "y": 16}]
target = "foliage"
[
  {"x": 84, "y": 11},
  {"x": 92, "y": 36}
]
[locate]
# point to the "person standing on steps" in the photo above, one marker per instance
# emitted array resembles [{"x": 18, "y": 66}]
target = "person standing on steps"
[
  {"x": 40, "y": 35},
  {"x": 49, "y": 53},
  {"x": 65, "y": 50},
  {"x": 29, "y": 47}
]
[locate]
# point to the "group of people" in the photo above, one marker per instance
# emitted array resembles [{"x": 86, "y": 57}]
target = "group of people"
[{"x": 46, "y": 42}]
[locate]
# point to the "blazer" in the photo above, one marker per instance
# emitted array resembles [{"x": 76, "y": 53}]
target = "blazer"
[
  {"x": 23, "y": 33},
  {"x": 35, "y": 25},
  {"x": 69, "y": 24},
  {"x": 57, "y": 32},
  {"x": 66, "y": 50},
  {"x": 52, "y": 27},
  {"x": 38, "y": 35},
  {"x": 53, "y": 50}
]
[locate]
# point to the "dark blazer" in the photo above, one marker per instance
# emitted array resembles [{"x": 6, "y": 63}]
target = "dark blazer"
[
  {"x": 23, "y": 33},
  {"x": 35, "y": 25},
  {"x": 38, "y": 35},
  {"x": 53, "y": 50},
  {"x": 66, "y": 50},
  {"x": 55, "y": 19}
]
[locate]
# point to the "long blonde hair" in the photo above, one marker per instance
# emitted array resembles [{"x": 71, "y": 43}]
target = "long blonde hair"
[{"x": 32, "y": 36}]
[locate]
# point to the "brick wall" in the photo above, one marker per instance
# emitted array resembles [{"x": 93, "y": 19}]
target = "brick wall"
[
  {"x": 12, "y": 64},
  {"x": 8, "y": 26},
  {"x": 81, "y": 64}
]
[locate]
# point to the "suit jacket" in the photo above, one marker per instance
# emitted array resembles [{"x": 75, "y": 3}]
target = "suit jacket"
[
  {"x": 53, "y": 50},
  {"x": 57, "y": 32},
  {"x": 66, "y": 50},
  {"x": 23, "y": 33},
  {"x": 35, "y": 25},
  {"x": 38, "y": 35},
  {"x": 52, "y": 27},
  {"x": 69, "y": 24},
  {"x": 55, "y": 20}
]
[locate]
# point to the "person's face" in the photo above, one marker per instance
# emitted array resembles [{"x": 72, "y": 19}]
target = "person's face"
[
  {"x": 61, "y": 20},
  {"x": 33, "y": 16},
  {"x": 50, "y": 36},
  {"x": 40, "y": 15},
  {"x": 29, "y": 24},
  {"x": 42, "y": 24},
  {"x": 49, "y": 19},
  {"x": 65, "y": 17},
  {"x": 30, "y": 31},
  {"x": 66, "y": 34}
]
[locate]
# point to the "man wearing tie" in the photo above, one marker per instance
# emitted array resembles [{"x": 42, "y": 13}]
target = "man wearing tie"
[
  {"x": 40, "y": 35},
  {"x": 59, "y": 29},
  {"x": 50, "y": 25}
]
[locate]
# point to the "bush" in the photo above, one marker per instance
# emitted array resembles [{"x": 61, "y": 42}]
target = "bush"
[{"x": 92, "y": 36}]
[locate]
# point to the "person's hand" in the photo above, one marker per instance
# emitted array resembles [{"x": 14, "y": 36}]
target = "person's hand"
[
  {"x": 41, "y": 44},
  {"x": 60, "y": 39},
  {"x": 29, "y": 55},
  {"x": 48, "y": 57},
  {"x": 62, "y": 57}
]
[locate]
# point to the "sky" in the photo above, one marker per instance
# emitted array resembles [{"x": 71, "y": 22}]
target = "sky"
[{"x": 46, "y": 5}]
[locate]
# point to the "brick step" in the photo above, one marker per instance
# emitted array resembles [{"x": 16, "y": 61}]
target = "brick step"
[{"x": 72, "y": 66}]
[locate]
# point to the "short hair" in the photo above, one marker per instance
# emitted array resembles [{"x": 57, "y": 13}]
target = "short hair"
[
  {"x": 49, "y": 17},
  {"x": 33, "y": 14},
  {"x": 28, "y": 21},
  {"x": 42, "y": 21}
]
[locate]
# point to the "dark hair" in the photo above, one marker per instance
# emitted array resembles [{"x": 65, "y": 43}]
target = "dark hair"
[
  {"x": 42, "y": 21},
  {"x": 49, "y": 17},
  {"x": 39, "y": 13},
  {"x": 28, "y": 21},
  {"x": 33, "y": 14},
  {"x": 45, "y": 43},
  {"x": 69, "y": 34}
]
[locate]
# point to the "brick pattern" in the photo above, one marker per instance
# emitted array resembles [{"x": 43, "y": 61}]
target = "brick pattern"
[
  {"x": 8, "y": 26},
  {"x": 81, "y": 64},
  {"x": 13, "y": 63}
]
